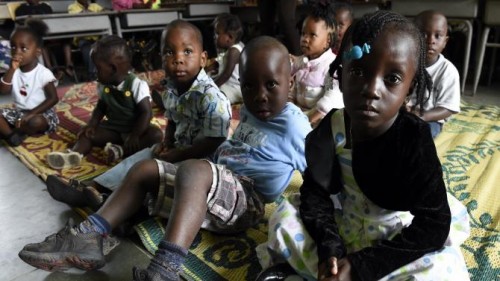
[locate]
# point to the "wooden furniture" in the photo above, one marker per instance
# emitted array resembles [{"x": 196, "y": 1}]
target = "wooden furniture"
[
  {"x": 75, "y": 25},
  {"x": 201, "y": 10},
  {"x": 145, "y": 19}
]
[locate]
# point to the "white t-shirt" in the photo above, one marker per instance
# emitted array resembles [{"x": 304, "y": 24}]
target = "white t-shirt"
[
  {"x": 27, "y": 87},
  {"x": 234, "y": 80},
  {"x": 445, "y": 88}
]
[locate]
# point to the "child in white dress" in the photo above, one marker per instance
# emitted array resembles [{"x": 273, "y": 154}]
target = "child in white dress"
[{"x": 228, "y": 32}]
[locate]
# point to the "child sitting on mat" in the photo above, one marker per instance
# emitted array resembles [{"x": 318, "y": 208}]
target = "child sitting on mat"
[
  {"x": 124, "y": 100},
  {"x": 444, "y": 98},
  {"x": 225, "y": 194},
  {"x": 198, "y": 116},
  {"x": 30, "y": 84},
  {"x": 390, "y": 217},
  {"x": 315, "y": 91},
  {"x": 228, "y": 33}
]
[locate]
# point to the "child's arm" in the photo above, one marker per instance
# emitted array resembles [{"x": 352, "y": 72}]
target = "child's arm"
[
  {"x": 203, "y": 147},
  {"x": 232, "y": 58},
  {"x": 316, "y": 212},
  {"x": 332, "y": 98},
  {"x": 6, "y": 82},
  {"x": 435, "y": 114},
  {"x": 132, "y": 143},
  {"x": 426, "y": 195},
  {"x": 95, "y": 119},
  {"x": 314, "y": 117}
]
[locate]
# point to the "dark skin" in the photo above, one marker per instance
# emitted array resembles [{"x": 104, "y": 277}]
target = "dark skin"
[
  {"x": 374, "y": 89},
  {"x": 224, "y": 40},
  {"x": 186, "y": 62},
  {"x": 314, "y": 41},
  {"x": 25, "y": 52},
  {"x": 84, "y": 3},
  {"x": 344, "y": 19},
  {"x": 265, "y": 89},
  {"x": 435, "y": 28},
  {"x": 112, "y": 71},
  {"x": 184, "y": 58}
]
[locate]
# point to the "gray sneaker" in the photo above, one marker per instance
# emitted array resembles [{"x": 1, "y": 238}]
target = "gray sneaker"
[
  {"x": 146, "y": 275},
  {"x": 66, "y": 249}
]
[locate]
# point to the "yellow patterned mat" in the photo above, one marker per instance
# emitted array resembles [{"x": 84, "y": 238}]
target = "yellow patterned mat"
[{"x": 469, "y": 148}]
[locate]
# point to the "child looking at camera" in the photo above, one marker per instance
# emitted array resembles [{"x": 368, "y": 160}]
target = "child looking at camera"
[
  {"x": 392, "y": 218},
  {"x": 444, "y": 98},
  {"x": 226, "y": 193}
]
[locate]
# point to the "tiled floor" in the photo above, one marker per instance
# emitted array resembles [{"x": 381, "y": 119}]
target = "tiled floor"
[{"x": 29, "y": 214}]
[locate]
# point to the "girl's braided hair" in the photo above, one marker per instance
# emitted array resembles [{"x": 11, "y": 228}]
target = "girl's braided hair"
[
  {"x": 37, "y": 28},
  {"x": 369, "y": 27},
  {"x": 324, "y": 10}
]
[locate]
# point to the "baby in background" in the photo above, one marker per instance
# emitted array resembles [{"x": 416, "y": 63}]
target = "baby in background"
[
  {"x": 315, "y": 91},
  {"x": 228, "y": 32},
  {"x": 31, "y": 85},
  {"x": 444, "y": 99},
  {"x": 124, "y": 99}
]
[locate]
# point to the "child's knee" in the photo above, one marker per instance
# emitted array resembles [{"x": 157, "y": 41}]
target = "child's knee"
[
  {"x": 37, "y": 124},
  {"x": 145, "y": 168},
  {"x": 194, "y": 171}
]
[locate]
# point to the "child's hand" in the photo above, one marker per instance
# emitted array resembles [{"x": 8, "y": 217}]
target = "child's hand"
[
  {"x": 158, "y": 149},
  {"x": 171, "y": 155},
  {"x": 16, "y": 61},
  {"x": 87, "y": 131},
  {"x": 212, "y": 69},
  {"x": 132, "y": 144},
  {"x": 24, "y": 120},
  {"x": 344, "y": 270},
  {"x": 327, "y": 269},
  {"x": 293, "y": 59}
]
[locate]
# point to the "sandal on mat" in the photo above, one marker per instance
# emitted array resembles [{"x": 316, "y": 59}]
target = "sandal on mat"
[
  {"x": 113, "y": 152},
  {"x": 60, "y": 160}
]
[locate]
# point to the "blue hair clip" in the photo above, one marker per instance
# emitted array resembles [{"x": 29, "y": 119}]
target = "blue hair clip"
[{"x": 356, "y": 52}]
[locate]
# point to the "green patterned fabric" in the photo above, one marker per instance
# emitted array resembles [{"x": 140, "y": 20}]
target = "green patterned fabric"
[{"x": 469, "y": 149}]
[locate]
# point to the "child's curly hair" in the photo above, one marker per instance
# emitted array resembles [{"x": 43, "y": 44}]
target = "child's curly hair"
[
  {"x": 369, "y": 27},
  {"x": 324, "y": 10},
  {"x": 37, "y": 28}
]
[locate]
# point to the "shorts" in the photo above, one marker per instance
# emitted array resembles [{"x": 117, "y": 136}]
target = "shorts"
[
  {"x": 12, "y": 114},
  {"x": 232, "y": 204}
]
